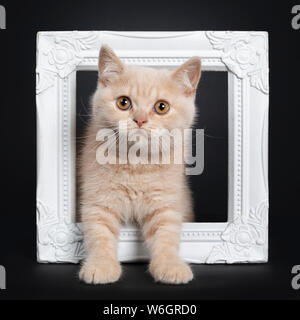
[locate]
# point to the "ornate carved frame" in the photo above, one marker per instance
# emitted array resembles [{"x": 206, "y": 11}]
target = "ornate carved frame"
[{"x": 244, "y": 238}]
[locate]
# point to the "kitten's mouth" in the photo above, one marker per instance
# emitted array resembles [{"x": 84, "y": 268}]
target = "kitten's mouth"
[
  {"x": 138, "y": 131},
  {"x": 131, "y": 135}
]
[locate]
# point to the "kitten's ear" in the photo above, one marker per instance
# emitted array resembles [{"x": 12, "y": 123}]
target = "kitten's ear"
[
  {"x": 109, "y": 66},
  {"x": 188, "y": 75}
]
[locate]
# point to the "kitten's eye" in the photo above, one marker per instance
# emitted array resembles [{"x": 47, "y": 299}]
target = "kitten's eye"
[
  {"x": 123, "y": 103},
  {"x": 161, "y": 107}
]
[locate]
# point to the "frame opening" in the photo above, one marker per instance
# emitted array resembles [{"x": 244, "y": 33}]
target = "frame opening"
[{"x": 210, "y": 188}]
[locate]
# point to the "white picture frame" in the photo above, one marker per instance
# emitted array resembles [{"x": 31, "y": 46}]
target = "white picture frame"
[{"x": 244, "y": 238}]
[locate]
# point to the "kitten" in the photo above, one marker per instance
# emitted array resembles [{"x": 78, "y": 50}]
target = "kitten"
[{"x": 155, "y": 196}]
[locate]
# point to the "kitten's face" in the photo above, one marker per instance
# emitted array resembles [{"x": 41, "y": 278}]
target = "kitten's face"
[{"x": 145, "y": 98}]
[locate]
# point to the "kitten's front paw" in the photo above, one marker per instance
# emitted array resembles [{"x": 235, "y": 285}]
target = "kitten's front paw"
[
  {"x": 172, "y": 272},
  {"x": 107, "y": 271}
]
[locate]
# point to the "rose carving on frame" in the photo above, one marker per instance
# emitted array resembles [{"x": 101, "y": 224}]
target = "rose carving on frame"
[
  {"x": 241, "y": 236},
  {"x": 61, "y": 55},
  {"x": 244, "y": 54},
  {"x": 62, "y": 237}
]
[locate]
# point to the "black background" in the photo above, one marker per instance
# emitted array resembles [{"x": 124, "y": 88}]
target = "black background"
[{"x": 28, "y": 280}]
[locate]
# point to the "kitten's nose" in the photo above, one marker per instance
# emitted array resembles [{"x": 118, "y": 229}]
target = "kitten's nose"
[{"x": 139, "y": 121}]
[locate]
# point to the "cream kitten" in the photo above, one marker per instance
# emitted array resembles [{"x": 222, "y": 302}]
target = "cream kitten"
[{"x": 155, "y": 196}]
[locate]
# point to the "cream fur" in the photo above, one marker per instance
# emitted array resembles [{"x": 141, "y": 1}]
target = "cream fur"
[{"x": 155, "y": 197}]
